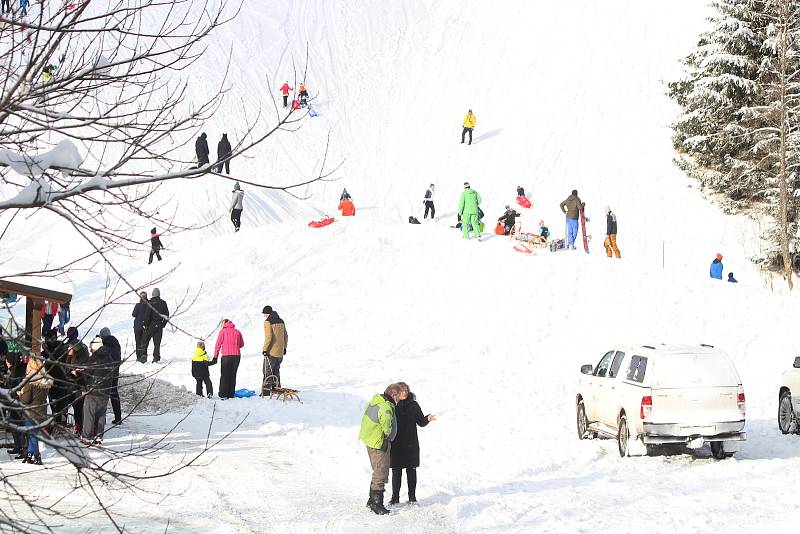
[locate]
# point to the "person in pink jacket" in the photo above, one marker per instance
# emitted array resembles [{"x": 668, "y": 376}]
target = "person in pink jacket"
[{"x": 229, "y": 341}]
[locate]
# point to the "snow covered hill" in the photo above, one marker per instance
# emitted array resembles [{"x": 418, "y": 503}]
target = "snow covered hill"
[{"x": 566, "y": 96}]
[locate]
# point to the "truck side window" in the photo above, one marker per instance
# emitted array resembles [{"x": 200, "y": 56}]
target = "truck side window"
[
  {"x": 602, "y": 367},
  {"x": 615, "y": 364},
  {"x": 637, "y": 368}
]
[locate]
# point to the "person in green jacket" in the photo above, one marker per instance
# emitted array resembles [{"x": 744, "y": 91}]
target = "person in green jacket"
[
  {"x": 468, "y": 210},
  {"x": 378, "y": 428}
]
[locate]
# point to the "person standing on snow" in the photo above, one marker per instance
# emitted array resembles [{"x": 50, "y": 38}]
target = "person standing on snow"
[
  {"x": 428, "y": 203},
  {"x": 116, "y": 360},
  {"x": 229, "y": 342},
  {"x": 469, "y": 125},
  {"x": 156, "y": 315},
  {"x": 285, "y": 91},
  {"x": 99, "y": 374},
  {"x": 378, "y": 429},
  {"x": 345, "y": 195},
  {"x": 33, "y": 398},
  {"x": 138, "y": 324},
  {"x": 223, "y": 151},
  {"x": 716, "y": 267},
  {"x": 155, "y": 246},
  {"x": 237, "y": 203},
  {"x": 611, "y": 233},
  {"x": 303, "y": 94},
  {"x": 275, "y": 341},
  {"x": 6, "y": 6},
  {"x": 201, "y": 150},
  {"x": 404, "y": 453},
  {"x": 468, "y": 211},
  {"x": 571, "y": 207}
]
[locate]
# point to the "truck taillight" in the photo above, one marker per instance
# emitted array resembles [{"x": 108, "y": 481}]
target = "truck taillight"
[
  {"x": 647, "y": 407},
  {"x": 740, "y": 401}
]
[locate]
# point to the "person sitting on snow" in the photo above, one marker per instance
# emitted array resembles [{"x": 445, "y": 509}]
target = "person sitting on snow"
[
  {"x": 347, "y": 207},
  {"x": 543, "y": 230},
  {"x": 732, "y": 279},
  {"x": 508, "y": 220},
  {"x": 520, "y": 191}
]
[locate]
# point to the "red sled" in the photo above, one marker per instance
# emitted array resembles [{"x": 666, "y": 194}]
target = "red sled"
[
  {"x": 321, "y": 223},
  {"x": 295, "y": 104},
  {"x": 524, "y": 202},
  {"x": 499, "y": 229}
]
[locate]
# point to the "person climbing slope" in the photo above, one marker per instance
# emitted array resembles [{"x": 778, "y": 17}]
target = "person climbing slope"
[
  {"x": 468, "y": 211},
  {"x": 237, "y": 205}
]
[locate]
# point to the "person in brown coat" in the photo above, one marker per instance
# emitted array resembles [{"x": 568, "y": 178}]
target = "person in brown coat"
[
  {"x": 275, "y": 341},
  {"x": 572, "y": 206},
  {"x": 33, "y": 396}
]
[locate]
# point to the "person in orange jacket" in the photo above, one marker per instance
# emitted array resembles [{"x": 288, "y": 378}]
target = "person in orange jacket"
[
  {"x": 303, "y": 94},
  {"x": 285, "y": 91},
  {"x": 347, "y": 207}
]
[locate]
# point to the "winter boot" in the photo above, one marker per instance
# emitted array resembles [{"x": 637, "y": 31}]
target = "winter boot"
[
  {"x": 22, "y": 456},
  {"x": 412, "y": 497},
  {"x": 36, "y": 460},
  {"x": 27, "y": 458},
  {"x": 395, "y": 499},
  {"x": 376, "y": 502}
]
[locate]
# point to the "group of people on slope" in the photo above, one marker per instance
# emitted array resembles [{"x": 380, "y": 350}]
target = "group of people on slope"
[
  {"x": 302, "y": 94},
  {"x": 227, "y": 350},
  {"x": 389, "y": 431},
  {"x": 67, "y": 378},
  {"x": 224, "y": 151},
  {"x": 717, "y": 268},
  {"x": 572, "y": 207}
]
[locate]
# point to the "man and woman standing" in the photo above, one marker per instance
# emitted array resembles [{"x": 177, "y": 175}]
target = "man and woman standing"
[
  {"x": 388, "y": 429},
  {"x": 154, "y": 316}
]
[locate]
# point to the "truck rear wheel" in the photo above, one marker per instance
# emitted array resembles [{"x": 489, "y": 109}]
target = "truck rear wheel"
[
  {"x": 623, "y": 434},
  {"x": 718, "y": 450}
]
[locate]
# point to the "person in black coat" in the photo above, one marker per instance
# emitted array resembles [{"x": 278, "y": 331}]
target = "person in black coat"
[
  {"x": 223, "y": 151},
  {"x": 116, "y": 359},
  {"x": 201, "y": 148},
  {"x": 404, "y": 452},
  {"x": 156, "y": 316}
]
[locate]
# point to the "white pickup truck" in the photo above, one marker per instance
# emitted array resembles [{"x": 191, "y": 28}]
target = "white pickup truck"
[
  {"x": 789, "y": 399},
  {"x": 656, "y": 394}
]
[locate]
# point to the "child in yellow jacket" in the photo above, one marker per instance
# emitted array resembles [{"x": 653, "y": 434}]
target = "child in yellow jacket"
[{"x": 200, "y": 373}]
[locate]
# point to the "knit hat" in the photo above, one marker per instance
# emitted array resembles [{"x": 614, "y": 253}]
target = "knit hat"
[
  {"x": 575, "y": 192},
  {"x": 466, "y": 184},
  {"x": 719, "y": 256},
  {"x": 267, "y": 310},
  {"x": 72, "y": 333},
  {"x": 96, "y": 343},
  {"x": 105, "y": 332},
  {"x": 153, "y": 230},
  {"x": 156, "y": 293},
  {"x": 236, "y": 186}
]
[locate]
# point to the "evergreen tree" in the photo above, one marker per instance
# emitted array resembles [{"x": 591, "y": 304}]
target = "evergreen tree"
[{"x": 721, "y": 79}]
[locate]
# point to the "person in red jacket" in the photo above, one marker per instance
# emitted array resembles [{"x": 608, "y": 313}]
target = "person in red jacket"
[
  {"x": 285, "y": 91},
  {"x": 347, "y": 207},
  {"x": 229, "y": 342}
]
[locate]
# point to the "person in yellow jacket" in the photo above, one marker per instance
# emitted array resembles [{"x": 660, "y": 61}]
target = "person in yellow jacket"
[
  {"x": 378, "y": 429},
  {"x": 469, "y": 124},
  {"x": 200, "y": 372}
]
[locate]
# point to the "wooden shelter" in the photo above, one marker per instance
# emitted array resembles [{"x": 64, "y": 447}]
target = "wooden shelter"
[{"x": 36, "y": 290}]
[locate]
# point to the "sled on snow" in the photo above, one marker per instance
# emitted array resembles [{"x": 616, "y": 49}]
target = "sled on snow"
[
  {"x": 524, "y": 202},
  {"x": 321, "y": 223},
  {"x": 528, "y": 242}
]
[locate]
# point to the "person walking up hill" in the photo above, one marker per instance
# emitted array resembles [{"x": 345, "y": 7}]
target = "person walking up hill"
[
  {"x": 237, "y": 205},
  {"x": 428, "y": 203},
  {"x": 469, "y": 125},
  {"x": 468, "y": 210}
]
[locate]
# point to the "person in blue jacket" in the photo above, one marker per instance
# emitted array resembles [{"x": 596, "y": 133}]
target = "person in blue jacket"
[
  {"x": 732, "y": 279},
  {"x": 716, "y": 267}
]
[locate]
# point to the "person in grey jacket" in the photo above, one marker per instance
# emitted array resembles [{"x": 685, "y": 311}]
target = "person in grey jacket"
[{"x": 236, "y": 206}]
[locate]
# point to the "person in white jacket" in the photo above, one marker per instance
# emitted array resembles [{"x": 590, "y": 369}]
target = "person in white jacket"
[
  {"x": 236, "y": 206},
  {"x": 428, "y": 201}
]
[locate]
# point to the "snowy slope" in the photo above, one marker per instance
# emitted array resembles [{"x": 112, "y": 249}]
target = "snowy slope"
[{"x": 567, "y": 96}]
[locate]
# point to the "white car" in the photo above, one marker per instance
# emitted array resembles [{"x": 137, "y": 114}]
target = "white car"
[
  {"x": 789, "y": 399},
  {"x": 652, "y": 395}
]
